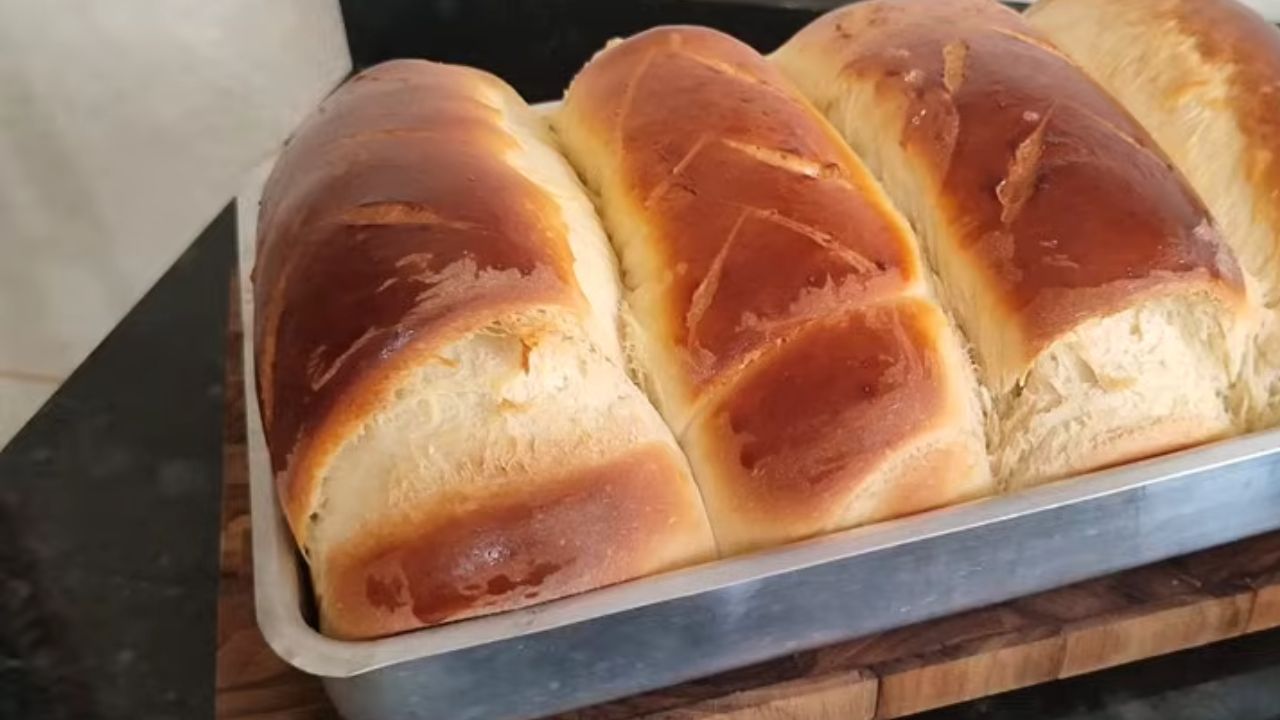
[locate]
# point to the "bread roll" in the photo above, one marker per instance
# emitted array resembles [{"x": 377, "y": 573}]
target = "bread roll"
[
  {"x": 1204, "y": 77},
  {"x": 1103, "y": 307},
  {"x": 441, "y": 380},
  {"x": 781, "y": 316}
]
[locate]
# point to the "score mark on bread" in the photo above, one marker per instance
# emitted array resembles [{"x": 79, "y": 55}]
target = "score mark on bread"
[
  {"x": 1019, "y": 182},
  {"x": 439, "y": 362},
  {"x": 789, "y": 256},
  {"x": 1052, "y": 225}
]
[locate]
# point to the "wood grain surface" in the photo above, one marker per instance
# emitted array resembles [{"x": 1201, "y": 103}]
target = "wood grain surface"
[{"x": 1185, "y": 602}]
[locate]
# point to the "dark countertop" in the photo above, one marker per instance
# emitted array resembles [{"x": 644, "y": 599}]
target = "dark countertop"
[
  {"x": 109, "y": 496},
  {"x": 109, "y": 502}
]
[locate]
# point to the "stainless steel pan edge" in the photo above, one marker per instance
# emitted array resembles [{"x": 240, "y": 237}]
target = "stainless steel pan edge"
[
  {"x": 662, "y": 630},
  {"x": 1022, "y": 545}
]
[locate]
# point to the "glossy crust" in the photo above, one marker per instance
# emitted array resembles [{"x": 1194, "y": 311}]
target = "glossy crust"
[
  {"x": 751, "y": 240},
  {"x": 467, "y": 556},
  {"x": 354, "y": 232},
  {"x": 1045, "y": 209},
  {"x": 1059, "y": 198},
  {"x": 855, "y": 419},
  {"x": 1204, "y": 77},
  {"x": 1230, "y": 41},
  {"x": 750, "y": 206},
  {"x": 448, "y": 436}
]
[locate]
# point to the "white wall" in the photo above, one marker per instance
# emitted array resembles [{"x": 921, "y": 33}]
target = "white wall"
[{"x": 125, "y": 125}]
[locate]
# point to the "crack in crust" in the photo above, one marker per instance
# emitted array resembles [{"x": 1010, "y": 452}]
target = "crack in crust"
[
  {"x": 318, "y": 376},
  {"x": 628, "y": 96},
  {"x": 706, "y": 290},
  {"x": 1046, "y": 46},
  {"x": 954, "y": 56},
  {"x": 782, "y": 159},
  {"x": 1019, "y": 182},
  {"x": 789, "y": 161},
  {"x": 381, "y": 214},
  {"x": 661, "y": 188},
  {"x": 732, "y": 71},
  {"x": 859, "y": 262}
]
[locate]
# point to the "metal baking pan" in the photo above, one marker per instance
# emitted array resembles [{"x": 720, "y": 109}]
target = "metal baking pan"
[{"x": 658, "y": 631}]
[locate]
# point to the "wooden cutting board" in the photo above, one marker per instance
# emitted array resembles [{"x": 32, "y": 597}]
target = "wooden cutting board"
[{"x": 1158, "y": 609}]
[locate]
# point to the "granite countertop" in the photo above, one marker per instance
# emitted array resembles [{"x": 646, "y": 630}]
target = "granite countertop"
[{"x": 109, "y": 497}]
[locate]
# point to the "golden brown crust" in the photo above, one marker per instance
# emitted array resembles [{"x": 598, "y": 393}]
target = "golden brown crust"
[
  {"x": 467, "y": 556},
  {"x": 371, "y": 256},
  {"x": 1060, "y": 198},
  {"x": 428, "y": 359},
  {"x": 849, "y": 396},
  {"x": 749, "y": 197},
  {"x": 1228, "y": 33},
  {"x": 779, "y": 241}
]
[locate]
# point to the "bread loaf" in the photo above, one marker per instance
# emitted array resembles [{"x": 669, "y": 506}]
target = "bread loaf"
[
  {"x": 439, "y": 367},
  {"x": 1104, "y": 309},
  {"x": 1204, "y": 77},
  {"x": 781, "y": 315}
]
